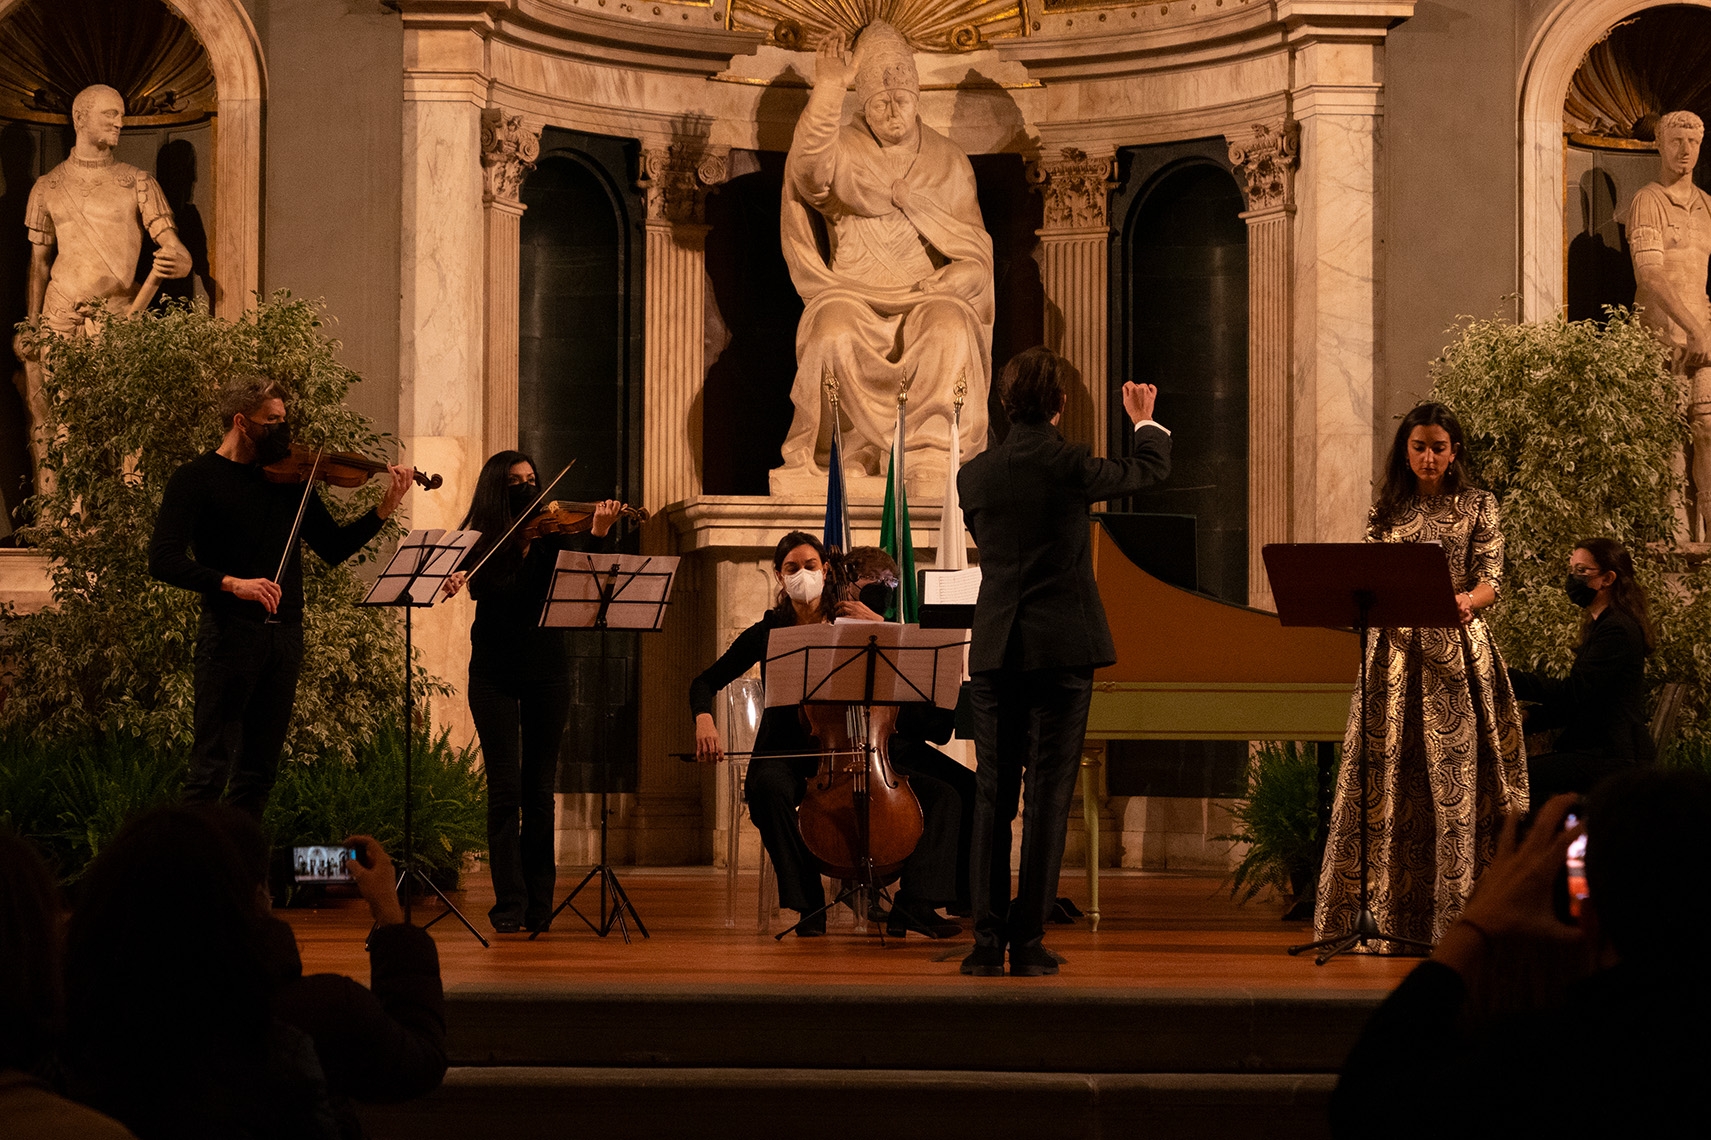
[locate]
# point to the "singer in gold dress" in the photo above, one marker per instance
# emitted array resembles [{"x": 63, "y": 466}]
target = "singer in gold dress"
[{"x": 1445, "y": 752}]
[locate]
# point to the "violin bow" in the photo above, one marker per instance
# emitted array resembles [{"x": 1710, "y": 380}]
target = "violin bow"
[
  {"x": 297, "y": 523},
  {"x": 518, "y": 521}
]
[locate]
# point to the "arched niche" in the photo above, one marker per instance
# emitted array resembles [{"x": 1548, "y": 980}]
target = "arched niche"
[
  {"x": 240, "y": 80},
  {"x": 1563, "y": 38}
]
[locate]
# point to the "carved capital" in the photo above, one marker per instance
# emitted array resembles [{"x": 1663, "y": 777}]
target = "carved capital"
[
  {"x": 677, "y": 178},
  {"x": 1076, "y": 189},
  {"x": 1265, "y": 160},
  {"x": 509, "y": 147}
]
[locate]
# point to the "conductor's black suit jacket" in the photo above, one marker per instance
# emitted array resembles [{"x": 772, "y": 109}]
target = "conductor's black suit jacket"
[{"x": 1027, "y": 504}]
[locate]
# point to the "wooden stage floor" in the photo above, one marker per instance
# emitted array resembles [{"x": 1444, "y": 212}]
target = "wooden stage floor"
[{"x": 1157, "y": 932}]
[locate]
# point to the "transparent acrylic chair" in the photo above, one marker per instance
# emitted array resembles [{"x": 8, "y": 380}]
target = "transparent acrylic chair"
[{"x": 745, "y": 701}]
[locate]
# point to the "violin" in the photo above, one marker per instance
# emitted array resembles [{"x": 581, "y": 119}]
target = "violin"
[
  {"x": 572, "y": 518},
  {"x": 337, "y": 468},
  {"x": 859, "y": 818}
]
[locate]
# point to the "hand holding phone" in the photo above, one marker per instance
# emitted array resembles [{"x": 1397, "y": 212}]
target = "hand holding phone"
[{"x": 372, "y": 872}]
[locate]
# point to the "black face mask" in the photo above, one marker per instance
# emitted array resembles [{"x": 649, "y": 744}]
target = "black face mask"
[
  {"x": 877, "y": 597},
  {"x": 1579, "y": 592},
  {"x": 521, "y": 495},
  {"x": 272, "y": 442}
]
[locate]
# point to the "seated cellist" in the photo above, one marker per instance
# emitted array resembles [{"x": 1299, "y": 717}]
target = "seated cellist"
[{"x": 785, "y": 755}]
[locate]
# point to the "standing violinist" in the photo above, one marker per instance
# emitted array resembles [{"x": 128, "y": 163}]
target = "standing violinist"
[
  {"x": 519, "y": 683},
  {"x": 222, "y": 531}
]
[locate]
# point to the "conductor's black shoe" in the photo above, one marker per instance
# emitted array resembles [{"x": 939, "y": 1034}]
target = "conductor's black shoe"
[
  {"x": 506, "y": 926},
  {"x": 1031, "y": 961},
  {"x": 812, "y": 925},
  {"x": 984, "y": 962},
  {"x": 907, "y": 915},
  {"x": 537, "y": 925}
]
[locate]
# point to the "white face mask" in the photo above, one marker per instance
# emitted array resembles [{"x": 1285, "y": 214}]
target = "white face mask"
[{"x": 804, "y": 586}]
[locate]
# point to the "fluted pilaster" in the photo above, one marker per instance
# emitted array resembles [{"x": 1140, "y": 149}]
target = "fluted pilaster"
[
  {"x": 1265, "y": 160},
  {"x": 1074, "y": 253},
  {"x": 509, "y": 147}
]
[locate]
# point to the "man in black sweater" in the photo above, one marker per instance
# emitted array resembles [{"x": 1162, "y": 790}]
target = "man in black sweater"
[
  {"x": 222, "y": 531},
  {"x": 1039, "y": 633}
]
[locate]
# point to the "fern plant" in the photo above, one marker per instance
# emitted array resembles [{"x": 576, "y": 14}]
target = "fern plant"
[{"x": 1278, "y": 818}]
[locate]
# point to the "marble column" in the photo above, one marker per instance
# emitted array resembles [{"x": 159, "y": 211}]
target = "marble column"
[
  {"x": 1074, "y": 253},
  {"x": 442, "y": 255},
  {"x": 1265, "y": 158},
  {"x": 1336, "y": 353},
  {"x": 509, "y": 147},
  {"x": 668, "y": 826}
]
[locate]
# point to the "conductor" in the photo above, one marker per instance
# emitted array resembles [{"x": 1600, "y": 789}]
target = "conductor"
[{"x": 1039, "y": 633}]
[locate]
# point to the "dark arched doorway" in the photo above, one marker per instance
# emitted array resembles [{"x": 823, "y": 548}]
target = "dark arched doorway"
[
  {"x": 578, "y": 397},
  {"x": 1186, "y": 300}
]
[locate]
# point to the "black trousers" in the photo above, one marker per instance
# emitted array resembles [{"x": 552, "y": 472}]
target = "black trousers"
[
  {"x": 774, "y": 791},
  {"x": 245, "y": 676},
  {"x": 520, "y": 717},
  {"x": 937, "y": 873},
  {"x": 1028, "y": 728}
]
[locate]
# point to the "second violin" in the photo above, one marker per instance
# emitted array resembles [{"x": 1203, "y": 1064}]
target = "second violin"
[
  {"x": 559, "y": 517},
  {"x": 339, "y": 468}
]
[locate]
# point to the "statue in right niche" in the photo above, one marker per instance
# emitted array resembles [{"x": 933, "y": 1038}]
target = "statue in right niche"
[{"x": 1669, "y": 232}]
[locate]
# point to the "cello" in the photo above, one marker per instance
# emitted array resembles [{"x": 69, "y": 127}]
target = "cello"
[{"x": 859, "y": 818}]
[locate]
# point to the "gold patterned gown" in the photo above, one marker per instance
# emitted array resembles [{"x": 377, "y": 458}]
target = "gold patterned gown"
[{"x": 1445, "y": 752}]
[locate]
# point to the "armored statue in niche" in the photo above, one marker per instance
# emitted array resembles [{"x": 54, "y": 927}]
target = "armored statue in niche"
[
  {"x": 86, "y": 219},
  {"x": 901, "y": 287},
  {"x": 1669, "y": 232}
]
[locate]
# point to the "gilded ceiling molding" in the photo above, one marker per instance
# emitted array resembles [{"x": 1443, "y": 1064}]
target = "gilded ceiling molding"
[
  {"x": 1265, "y": 160},
  {"x": 677, "y": 178},
  {"x": 928, "y": 25},
  {"x": 1076, "y": 188},
  {"x": 509, "y": 147}
]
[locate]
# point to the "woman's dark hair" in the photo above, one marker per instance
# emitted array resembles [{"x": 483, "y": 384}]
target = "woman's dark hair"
[
  {"x": 31, "y": 996},
  {"x": 828, "y": 596},
  {"x": 490, "y": 513},
  {"x": 1032, "y": 386},
  {"x": 167, "y": 985},
  {"x": 1400, "y": 485},
  {"x": 1626, "y": 594}
]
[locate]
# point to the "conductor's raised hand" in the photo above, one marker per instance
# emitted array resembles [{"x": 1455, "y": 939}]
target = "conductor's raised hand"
[
  {"x": 834, "y": 64},
  {"x": 707, "y": 746},
  {"x": 394, "y": 490},
  {"x": 1138, "y": 401},
  {"x": 605, "y": 514},
  {"x": 261, "y": 590}
]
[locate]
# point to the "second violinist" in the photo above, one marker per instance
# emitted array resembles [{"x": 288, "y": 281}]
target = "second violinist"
[{"x": 519, "y": 681}]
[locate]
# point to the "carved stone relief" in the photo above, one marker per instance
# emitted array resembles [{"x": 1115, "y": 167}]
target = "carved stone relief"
[
  {"x": 509, "y": 148},
  {"x": 1265, "y": 162},
  {"x": 1076, "y": 189}
]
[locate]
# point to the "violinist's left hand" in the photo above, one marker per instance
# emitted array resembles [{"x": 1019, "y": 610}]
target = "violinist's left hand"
[
  {"x": 604, "y": 516},
  {"x": 394, "y": 493}
]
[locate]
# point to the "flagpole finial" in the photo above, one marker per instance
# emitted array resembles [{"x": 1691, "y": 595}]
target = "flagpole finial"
[
  {"x": 903, "y": 387},
  {"x": 829, "y": 381},
  {"x": 960, "y": 392}
]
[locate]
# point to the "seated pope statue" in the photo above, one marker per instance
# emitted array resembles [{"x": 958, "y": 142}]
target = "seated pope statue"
[{"x": 900, "y": 284}]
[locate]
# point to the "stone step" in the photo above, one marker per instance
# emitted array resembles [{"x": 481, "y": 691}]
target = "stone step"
[
  {"x": 713, "y": 1103},
  {"x": 991, "y": 1025}
]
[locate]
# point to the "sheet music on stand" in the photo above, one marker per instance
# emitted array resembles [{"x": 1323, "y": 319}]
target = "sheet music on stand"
[
  {"x": 420, "y": 566},
  {"x": 948, "y": 597},
  {"x": 832, "y": 663},
  {"x": 609, "y": 591}
]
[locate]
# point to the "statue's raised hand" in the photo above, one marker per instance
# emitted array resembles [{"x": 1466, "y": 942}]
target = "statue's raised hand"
[{"x": 834, "y": 64}]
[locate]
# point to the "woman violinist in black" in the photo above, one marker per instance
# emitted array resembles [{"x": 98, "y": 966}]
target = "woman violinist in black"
[{"x": 519, "y": 683}]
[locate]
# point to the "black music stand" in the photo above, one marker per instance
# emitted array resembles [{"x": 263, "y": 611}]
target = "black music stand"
[
  {"x": 603, "y": 592},
  {"x": 1336, "y": 585},
  {"x": 414, "y": 577},
  {"x": 867, "y": 664}
]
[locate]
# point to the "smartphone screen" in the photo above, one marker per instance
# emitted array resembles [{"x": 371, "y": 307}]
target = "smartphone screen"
[
  {"x": 326, "y": 864},
  {"x": 1576, "y": 866}
]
